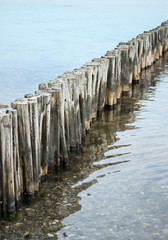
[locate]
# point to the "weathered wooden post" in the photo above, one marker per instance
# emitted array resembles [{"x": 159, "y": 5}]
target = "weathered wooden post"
[
  {"x": 102, "y": 81},
  {"x": 18, "y": 174},
  {"x": 146, "y": 58},
  {"x": 94, "y": 87},
  {"x": 7, "y": 184},
  {"x": 61, "y": 114},
  {"x": 81, "y": 81},
  {"x": 140, "y": 53},
  {"x": 43, "y": 105},
  {"x": 124, "y": 68},
  {"x": 111, "y": 90},
  {"x": 54, "y": 149},
  {"x": 35, "y": 143},
  {"x": 160, "y": 41},
  {"x": 133, "y": 60},
  {"x": 165, "y": 36},
  {"x": 118, "y": 74},
  {"x": 75, "y": 114},
  {"x": 25, "y": 145},
  {"x": 88, "y": 96}
]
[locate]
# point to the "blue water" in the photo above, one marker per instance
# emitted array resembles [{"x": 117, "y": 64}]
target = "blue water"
[{"x": 41, "y": 39}]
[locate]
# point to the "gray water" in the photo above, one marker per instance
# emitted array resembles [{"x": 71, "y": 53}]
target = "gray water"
[
  {"x": 117, "y": 187},
  {"x": 41, "y": 39}
]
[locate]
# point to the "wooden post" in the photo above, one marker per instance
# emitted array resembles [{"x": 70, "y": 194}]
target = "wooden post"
[
  {"x": 94, "y": 87},
  {"x": 61, "y": 115},
  {"x": 165, "y": 38},
  {"x": 124, "y": 68},
  {"x": 160, "y": 45},
  {"x": 75, "y": 117},
  {"x": 111, "y": 91},
  {"x": 140, "y": 53},
  {"x": 6, "y": 164},
  {"x": 145, "y": 57},
  {"x": 35, "y": 144},
  {"x": 25, "y": 145},
  {"x": 43, "y": 103},
  {"x": 18, "y": 175},
  {"x": 81, "y": 81},
  {"x": 88, "y": 96},
  {"x": 133, "y": 60},
  {"x": 118, "y": 74},
  {"x": 54, "y": 149},
  {"x": 102, "y": 81}
]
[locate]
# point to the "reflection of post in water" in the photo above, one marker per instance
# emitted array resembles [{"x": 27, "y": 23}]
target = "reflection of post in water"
[
  {"x": 102, "y": 134},
  {"x": 129, "y": 103},
  {"x": 109, "y": 116}
]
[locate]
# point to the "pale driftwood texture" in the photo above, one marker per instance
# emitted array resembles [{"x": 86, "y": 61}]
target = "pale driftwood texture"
[{"x": 40, "y": 131}]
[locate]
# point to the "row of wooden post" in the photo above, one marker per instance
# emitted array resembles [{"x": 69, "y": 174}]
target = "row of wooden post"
[{"x": 38, "y": 132}]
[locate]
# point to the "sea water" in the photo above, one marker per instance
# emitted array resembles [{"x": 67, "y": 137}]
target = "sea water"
[
  {"x": 41, "y": 39},
  {"x": 117, "y": 187}
]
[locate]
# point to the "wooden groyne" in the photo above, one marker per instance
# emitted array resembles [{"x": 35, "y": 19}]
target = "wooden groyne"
[{"x": 38, "y": 132}]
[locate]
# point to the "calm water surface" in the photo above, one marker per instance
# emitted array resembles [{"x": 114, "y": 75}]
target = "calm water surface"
[
  {"x": 117, "y": 188},
  {"x": 126, "y": 195},
  {"x": 41, "y": 39}
]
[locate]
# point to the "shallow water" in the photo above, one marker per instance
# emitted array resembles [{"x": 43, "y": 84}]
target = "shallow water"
[
  {"x": 41, "y": 39},
  {"x": 117, "y": 188}
]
